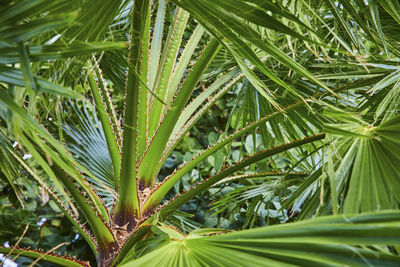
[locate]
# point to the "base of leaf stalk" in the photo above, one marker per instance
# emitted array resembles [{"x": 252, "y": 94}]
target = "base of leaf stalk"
[
  {"x": 143, "y": 184},
  {"x": 149, "y": 211},
  {"x": 107, "y": 255},
  {"x": 127, "y": 220}
]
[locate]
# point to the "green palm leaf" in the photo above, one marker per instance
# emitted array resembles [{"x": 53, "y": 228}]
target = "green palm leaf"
[
  {"x": 328, "y": 241},
  {"x": 367, "y": 173}
]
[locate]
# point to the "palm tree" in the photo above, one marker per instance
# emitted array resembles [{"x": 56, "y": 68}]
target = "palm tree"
[{"x": 302, "y": 70}]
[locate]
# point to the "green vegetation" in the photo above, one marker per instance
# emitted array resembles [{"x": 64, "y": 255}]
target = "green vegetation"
[{"x": 200, "y": 133}]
